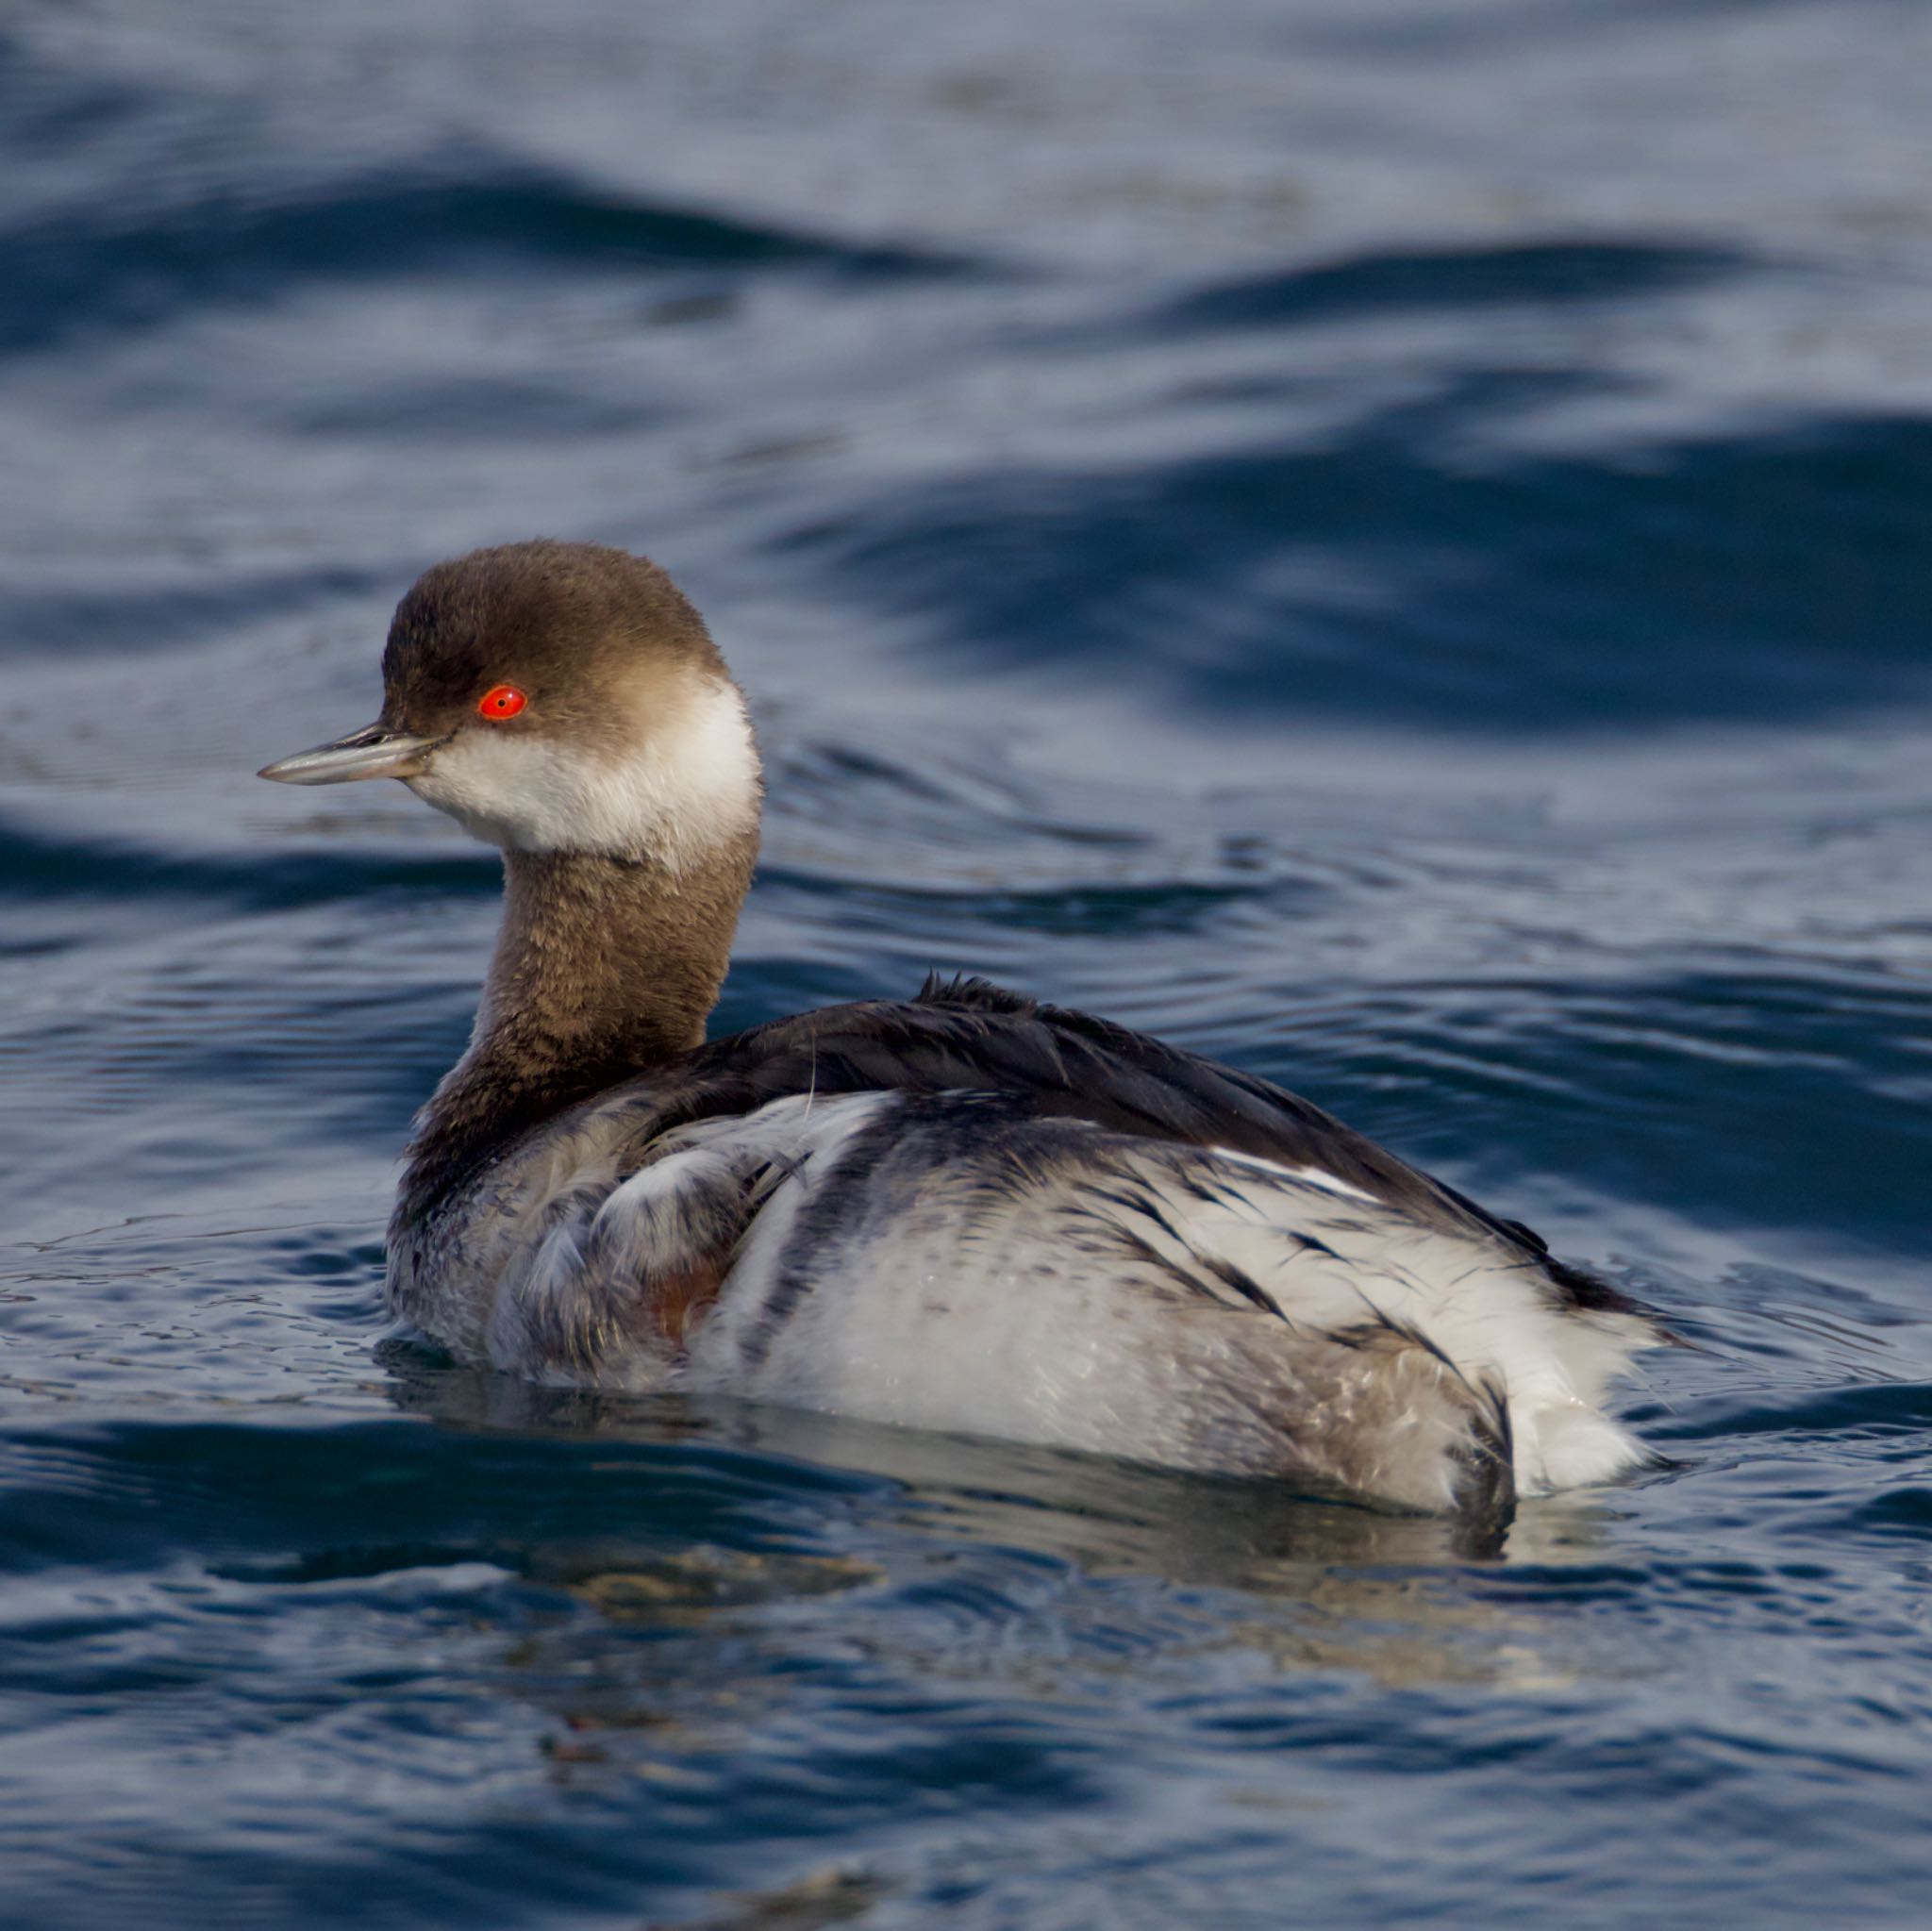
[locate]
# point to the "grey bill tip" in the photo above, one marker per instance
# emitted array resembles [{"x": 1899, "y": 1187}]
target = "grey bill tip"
[{"x": 374, "y": 751}]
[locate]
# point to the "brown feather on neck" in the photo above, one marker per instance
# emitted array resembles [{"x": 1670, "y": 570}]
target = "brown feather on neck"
[{"x": 605, "y": 968}]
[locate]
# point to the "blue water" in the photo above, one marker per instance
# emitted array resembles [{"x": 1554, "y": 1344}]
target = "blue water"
[{"x": 1392, "y": 544}]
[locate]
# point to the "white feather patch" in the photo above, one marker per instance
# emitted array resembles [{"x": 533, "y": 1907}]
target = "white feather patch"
[
  {"x": 1309, "y": 1177},
  {"x": 690, "y": 786}
]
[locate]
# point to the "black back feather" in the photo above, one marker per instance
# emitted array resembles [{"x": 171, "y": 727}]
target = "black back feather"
[{"x": 969, "y": 1035}]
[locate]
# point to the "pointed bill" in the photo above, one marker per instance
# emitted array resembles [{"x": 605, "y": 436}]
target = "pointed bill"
[{"x": 374, "y": 751}]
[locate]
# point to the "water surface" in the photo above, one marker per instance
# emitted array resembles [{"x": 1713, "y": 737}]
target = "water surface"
[{"x": 1391, "y": 545}]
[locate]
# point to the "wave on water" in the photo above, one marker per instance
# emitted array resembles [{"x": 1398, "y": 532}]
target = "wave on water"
[{"x": 1391, "y": 551}]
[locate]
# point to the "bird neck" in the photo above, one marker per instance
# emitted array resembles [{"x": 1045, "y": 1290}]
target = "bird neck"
[{"x": 603, "y": 968}]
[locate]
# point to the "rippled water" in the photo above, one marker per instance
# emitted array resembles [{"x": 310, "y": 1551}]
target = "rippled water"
[{"x": 1389, "y": 544}]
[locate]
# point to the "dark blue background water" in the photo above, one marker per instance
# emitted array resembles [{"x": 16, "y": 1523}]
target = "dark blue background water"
[{"x": 1392, "y": 542}]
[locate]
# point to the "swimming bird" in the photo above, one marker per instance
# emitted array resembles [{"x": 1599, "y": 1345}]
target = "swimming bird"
[{"x": 965, "y": 1210}]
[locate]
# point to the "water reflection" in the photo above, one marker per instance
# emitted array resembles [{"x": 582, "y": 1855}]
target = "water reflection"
[{"x": 988, "y": 1532}]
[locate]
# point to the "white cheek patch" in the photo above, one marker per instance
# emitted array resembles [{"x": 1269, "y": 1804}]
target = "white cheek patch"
[{"x": 694, "y": 787}]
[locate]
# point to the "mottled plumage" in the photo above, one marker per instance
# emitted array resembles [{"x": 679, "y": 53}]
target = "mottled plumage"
[{"x": 962, "y": 1210}]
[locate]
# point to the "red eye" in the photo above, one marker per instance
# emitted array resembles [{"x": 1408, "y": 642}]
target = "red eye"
[{"x": 504, "y": 701}]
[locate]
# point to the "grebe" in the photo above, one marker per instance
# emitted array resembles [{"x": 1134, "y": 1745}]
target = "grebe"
[{"x": 965, "y": 1210}]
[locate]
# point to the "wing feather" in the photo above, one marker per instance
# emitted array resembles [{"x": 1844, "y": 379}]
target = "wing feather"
[{"x": 969, "y": 1035}]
